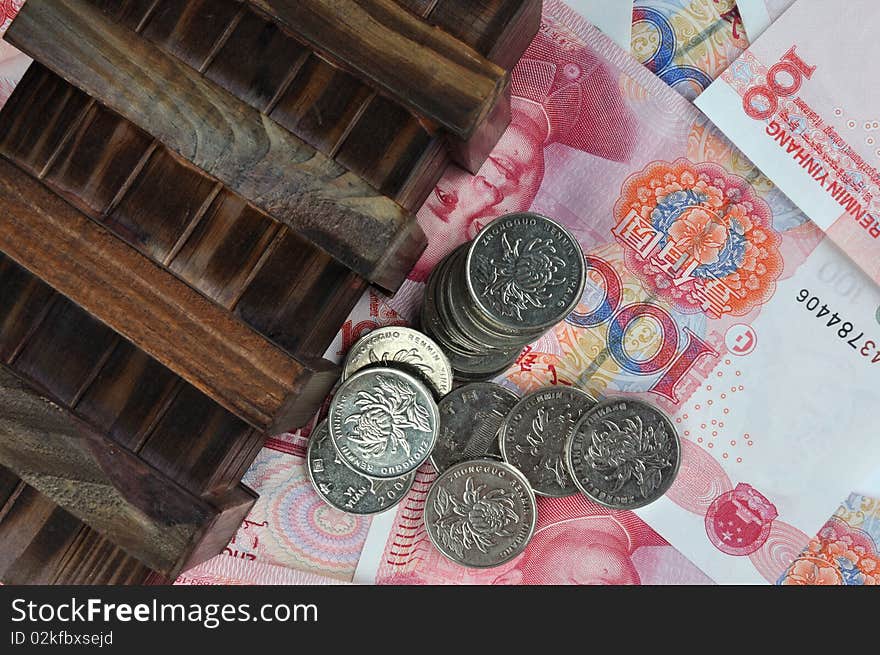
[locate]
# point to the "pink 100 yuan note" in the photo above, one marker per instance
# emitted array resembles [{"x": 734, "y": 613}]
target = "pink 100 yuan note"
[
  {"x": 613, "y": 18},
  {"x": 710, "y": 294},
  {"x": 800, "y": 103},
  {"x": 575, "y": 542},
  {"x": 291, "y": 537}
]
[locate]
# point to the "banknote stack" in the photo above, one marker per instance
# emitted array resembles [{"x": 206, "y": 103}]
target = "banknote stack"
[
  {"x": 494, "y": 451},
  {"x": 494, "y": 295}
]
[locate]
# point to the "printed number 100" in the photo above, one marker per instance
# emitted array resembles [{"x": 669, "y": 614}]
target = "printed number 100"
[{"x": 674, "y": 362}]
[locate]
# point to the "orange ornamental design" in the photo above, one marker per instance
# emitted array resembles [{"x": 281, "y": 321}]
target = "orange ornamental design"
[{"x": 699, "y": 237}]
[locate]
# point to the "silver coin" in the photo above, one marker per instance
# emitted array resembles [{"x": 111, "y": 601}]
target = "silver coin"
[
  {"x": 534, "y": 434},
  {"x": 480, "y": 513},
  {"x": 454, "y": 333},
  {"x": 401, "y": 346},
  {"x": 490, "y": 364},
  {"x": 383, "y": 422},
  {"x": 433, "y": 323},
  {"x": 455, "y": 296},
  {"x": 474, "y": 367},
  {"x": 624, "y": 454},
  {"x": 470, "y": 417},
  {"x": 342, "y": 488},
  {"x": 525, "y": 271}
]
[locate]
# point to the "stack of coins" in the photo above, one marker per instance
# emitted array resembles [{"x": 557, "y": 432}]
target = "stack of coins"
[
  {"x": 403, "y": 348},
  {"x": 523, "y": 274},
  {"x": 383, "y": 421},
  {"x": 382, "y": 425},
  {"x": 397, "y": 407}
]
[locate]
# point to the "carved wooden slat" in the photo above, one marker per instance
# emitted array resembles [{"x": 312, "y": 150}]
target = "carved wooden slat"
[
  {"x": 42, "y": 543},
  {"x": 192, "y": 195},
  {"x": 176, "y": 215},
  {"x": 107, "y": 487},
  {"x": 153, "y": 309},
  {"x": 223, "y": 136},
  {"x": 427, "y": 71},
  {"x": 120, "y": 390}
]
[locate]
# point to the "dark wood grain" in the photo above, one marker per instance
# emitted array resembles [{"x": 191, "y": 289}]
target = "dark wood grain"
[
  {"x": 223, "y": 136},
  {"x": 62, "y": 351},
  {"x": 25, "y": 301},
  {"x": 90, "y": 558},
  {"x": 100, "y": 153},
  {"x": 191, "y": 29},
  {"x": 121, "y": 391},
  {"x": 427, "y": 71},
  {"x": 107, "y": 487},
  {"x": 42, "y": 543},
  {"x": 192, "y": 336},
  {"x": 388, "y": 143},
  {"x": 332, "y": 109},
  {"x": 500, "y": 30},
  {"x": 290, "y": 304},
  {"x": 179, "y": 217},
  {"x": 163, "y": 203},
  {"x": 60, "y": 108},
  {"x": 183, "y": 218},
  {"x": 199, "y": 445},
  {"x": 34, "y": 535},
  {"x": 131, "y": 13},
  {"x": 260, "y": 76},
  {"x": 129, "y": 395},
  {"x": 317, "y": 101},
  {"x": 225, "y": 249},
  {"x": 321, "y": 103}
]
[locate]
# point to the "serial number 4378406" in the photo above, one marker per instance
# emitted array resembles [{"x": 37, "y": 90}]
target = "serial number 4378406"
[{"x": 845, "y": 329}]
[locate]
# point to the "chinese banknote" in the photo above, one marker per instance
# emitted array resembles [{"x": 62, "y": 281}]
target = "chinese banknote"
[
  {"x": 797, "y": 105},
  {"x": 710, "y": 294}
]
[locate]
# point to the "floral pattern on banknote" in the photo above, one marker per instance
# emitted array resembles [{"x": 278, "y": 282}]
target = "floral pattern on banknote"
[
  {"x": 8, "y": 10},
  {"x": 385, "y": 414},
  {"x": 700, "y": 237},
  {"x": 687, "y": 43},
  {"x": 474, "y": 520},
  {"x": 522, "y": 277},
  {"x": 845, "y": 552}
]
